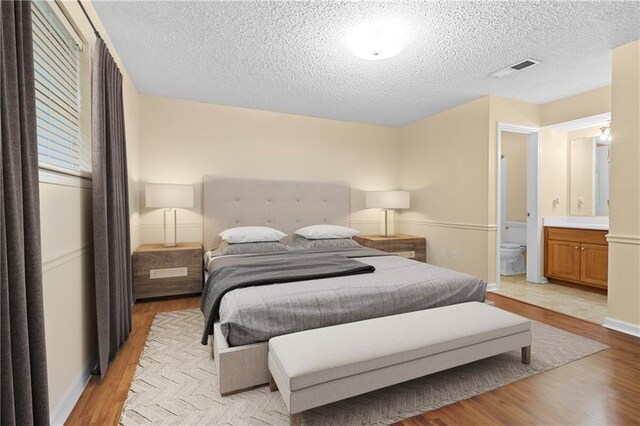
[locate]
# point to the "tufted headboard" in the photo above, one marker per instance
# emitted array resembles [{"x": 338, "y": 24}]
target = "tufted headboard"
[{"x": 282, "y": 204}]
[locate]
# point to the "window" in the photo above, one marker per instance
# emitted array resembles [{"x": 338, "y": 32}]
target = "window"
[{"x": 56, "y": 55}]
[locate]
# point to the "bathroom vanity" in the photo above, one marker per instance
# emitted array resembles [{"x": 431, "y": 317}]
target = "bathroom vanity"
[{"x": 576, "y": 255}]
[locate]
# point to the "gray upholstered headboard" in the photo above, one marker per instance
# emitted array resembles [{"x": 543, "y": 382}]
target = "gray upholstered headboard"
[{"x": 282, "y": 204}]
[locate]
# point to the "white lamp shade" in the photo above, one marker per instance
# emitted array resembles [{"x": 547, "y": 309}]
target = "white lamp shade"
[
  {"x": 168, "y": 195},
  {"x": 387, "y": 200}
]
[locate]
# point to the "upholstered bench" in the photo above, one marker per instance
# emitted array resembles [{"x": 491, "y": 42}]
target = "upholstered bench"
[{"x": 316, "y": 367}]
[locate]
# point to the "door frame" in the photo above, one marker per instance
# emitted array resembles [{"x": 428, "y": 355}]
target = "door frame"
[{"x": 534, "y": 233}]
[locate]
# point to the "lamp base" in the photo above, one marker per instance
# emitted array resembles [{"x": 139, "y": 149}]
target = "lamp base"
[
  {"x": 387, "y": 228},
  {"x": 170, "y": 228}
]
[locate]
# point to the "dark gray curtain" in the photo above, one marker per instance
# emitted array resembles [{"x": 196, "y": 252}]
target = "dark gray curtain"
[
  {"x": 111, "y": 234},
  {"x": 23, "y": 362}
]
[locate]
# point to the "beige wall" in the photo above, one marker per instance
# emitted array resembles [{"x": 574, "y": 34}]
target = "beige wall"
[
  {"x": 444, "y": 163},
  {"x": 449, "y": 163},
  {"x": 624, "y": 213},
  {"x": 69, "y": 301},
  {"x": 553, "y": 173},
  {"x": 514, "y": 149},
  {"x": 182, "y": 141},
  {"x": 581, "y": 172},
  {"x": 585, "y": 104}
]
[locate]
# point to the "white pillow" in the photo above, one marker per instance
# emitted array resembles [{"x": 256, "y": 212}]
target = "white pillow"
[
  {"x": 251, "y": 234},
  {"x": 324, "y": 232}
]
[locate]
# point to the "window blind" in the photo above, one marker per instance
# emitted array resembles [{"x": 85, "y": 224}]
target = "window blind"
[{"x": 56, "y": 58}]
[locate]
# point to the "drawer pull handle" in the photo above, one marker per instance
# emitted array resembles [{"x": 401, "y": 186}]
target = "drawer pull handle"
[
  {"x": 408, "y": 254},
  {"x": 576, "y": 247},
  {"x": 168, "y": 273}
]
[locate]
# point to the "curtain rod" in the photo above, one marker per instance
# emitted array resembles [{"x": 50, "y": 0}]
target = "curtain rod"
[{"x": 89, "y": 19}]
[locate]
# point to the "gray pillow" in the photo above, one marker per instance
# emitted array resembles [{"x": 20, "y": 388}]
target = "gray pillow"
[
  {"x": 247, "y": 248},
  {"x": 332, "y": 243}
]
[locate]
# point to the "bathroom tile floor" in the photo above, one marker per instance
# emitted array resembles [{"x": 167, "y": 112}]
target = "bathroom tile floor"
[{"x": 584, "y": 304}]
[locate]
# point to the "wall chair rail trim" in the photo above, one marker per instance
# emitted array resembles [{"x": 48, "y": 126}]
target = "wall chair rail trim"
[
  {"x": 458, "y": 225},
  {"x": 623, "y": 239},
  {"x": 194, "y": 225},
  {"x": 62, "y": 258}
]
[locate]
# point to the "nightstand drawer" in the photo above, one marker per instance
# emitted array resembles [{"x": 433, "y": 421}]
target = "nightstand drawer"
[
  {"x": 146, "y": 261},
  {"x": 398, "y": 246},
  {"x": 146, "y": 287},
  {"x": 167, "y": 271},
  {"x": 408, "y": 246}
]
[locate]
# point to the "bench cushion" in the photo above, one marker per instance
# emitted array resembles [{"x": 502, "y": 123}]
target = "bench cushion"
[{"x": 363, "y": 346}]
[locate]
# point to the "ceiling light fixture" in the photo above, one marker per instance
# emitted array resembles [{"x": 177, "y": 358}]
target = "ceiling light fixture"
[{"x": 376, "y": 41}]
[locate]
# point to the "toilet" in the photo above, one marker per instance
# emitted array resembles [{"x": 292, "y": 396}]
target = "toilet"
[
  {"x": 513, "y": 246},
  {"x": 512, "y": 259}
]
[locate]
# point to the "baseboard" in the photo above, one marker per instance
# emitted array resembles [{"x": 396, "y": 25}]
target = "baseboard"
[
  {"x": 62, "y": 410},
  {"x": 622, "y": 326},
  {"x": 492, "y": 287}
]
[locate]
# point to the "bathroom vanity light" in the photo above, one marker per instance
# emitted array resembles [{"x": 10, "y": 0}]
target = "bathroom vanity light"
[
  {"x": 606, "y": 132},
  {"x": 375, "y": 41}
]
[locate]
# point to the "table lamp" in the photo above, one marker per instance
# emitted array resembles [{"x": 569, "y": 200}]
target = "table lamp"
[
  {"x": 169, "y": 196},
  {"x": 387, "y": 200}
]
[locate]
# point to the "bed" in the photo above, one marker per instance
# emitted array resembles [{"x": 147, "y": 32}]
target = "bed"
[{"x": 247, "y": 317}]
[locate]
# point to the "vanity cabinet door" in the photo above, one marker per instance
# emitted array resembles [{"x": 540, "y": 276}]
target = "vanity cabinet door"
[
  {"x": 563, "y": 260},
  {"x": 594, "y": 264}
]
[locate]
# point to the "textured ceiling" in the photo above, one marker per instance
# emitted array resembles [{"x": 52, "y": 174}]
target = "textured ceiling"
[{"x": 291, "y": 56}]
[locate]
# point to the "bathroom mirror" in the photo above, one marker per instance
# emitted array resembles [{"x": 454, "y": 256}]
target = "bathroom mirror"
[{"x": 589, "y": 160}]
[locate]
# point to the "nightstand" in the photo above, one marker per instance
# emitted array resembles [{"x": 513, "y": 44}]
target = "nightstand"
[
  {"x": 167, "y": 271},
  {"x": 408, "y": 246}
]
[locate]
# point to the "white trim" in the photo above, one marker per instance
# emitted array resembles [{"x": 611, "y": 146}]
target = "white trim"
[
  {"x": 623, "y": 239},
  {"x": 66, "y": 24},
  {"x": 581, "y": 123},
  {"x": 63, "y": 408},
  {"x": 460, "y": 225},
  {"x": 79, "y": 173},
  {"x": 593, "y": 176},
  {"x": 534, "y": 236},
  {"x": 534, "y": 260},
  {"x": 493, "y": 287},
  {"x": 46, "y": 175},
  {"x": 622, "y": 326},
  {"x": 197, "y": 225},
  {"x": 61, "y": 259},
  {"x": 366, "y": 222}
]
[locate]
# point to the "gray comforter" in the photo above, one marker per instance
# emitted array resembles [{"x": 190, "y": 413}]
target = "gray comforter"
[
  {"x": 232, "y": 273},
  {"x": 256, "y": 314}
]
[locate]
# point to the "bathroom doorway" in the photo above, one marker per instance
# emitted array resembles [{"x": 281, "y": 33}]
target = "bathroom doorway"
[
  {"x": 572, "y": 203},
  {"x": 519, "y": 224}
]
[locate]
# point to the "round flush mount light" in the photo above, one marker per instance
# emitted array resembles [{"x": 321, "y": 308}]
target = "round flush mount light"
[{"x": 375, "y": 41}]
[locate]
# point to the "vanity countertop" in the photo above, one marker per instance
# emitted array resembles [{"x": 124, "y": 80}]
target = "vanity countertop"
[{"x": 600, "y": 223}]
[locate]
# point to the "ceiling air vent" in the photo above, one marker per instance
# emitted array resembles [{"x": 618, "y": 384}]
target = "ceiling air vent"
[{"x": 520, "y": 66}]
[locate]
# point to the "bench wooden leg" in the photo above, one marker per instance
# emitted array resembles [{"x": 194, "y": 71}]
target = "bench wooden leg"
[
  {"x": 272, "y": 384},
  {"x": 526, "y": 355},
  {"x": 295, "y": 419}
]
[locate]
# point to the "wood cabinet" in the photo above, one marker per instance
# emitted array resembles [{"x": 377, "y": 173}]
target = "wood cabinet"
[
  {"x": 167, "y": 271},
  {"x": 578, "y": 256},
  {"x": 408, "y": 246}
]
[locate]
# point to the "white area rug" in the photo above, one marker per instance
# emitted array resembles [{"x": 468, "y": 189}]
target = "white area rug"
[{"x": 175, "y": 382}]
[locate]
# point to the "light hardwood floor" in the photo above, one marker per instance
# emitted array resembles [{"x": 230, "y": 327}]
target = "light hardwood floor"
[{"x": 601, "y": 389}]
